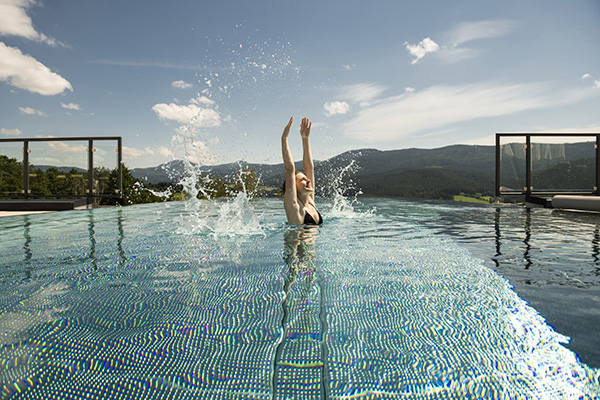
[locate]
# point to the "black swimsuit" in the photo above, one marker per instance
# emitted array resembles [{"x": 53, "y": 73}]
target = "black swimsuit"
[{"x": 309, "y": 220}]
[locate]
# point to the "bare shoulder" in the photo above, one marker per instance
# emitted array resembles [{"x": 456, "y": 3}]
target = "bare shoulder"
[{"x": 293, "y": 211}]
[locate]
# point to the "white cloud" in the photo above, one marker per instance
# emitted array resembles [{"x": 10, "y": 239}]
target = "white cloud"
[
  {"x": 11, "y": 132},
  {"x": 181, "y": 85},
  {"x": 452, "y": 52},
  {"x": 578, "y": 129},
  {"x": 409, "y": 90},
  {"x": 468, "y": 31},
  {"x": 71, "y": 106},
  {"x": 419, "y": 50},
  {"x": 190, "y": 114},
  {"x": 131, "y": 153},
  {"x": 597, "y": 83},
  {"x": 65, "y": 148},
  {"x": 25, "y": 72},
  {"x": 202, "y": 100},
  {"x": 452, "y": 55},
  {"x": 586, "y": 76},
  {"x": 490, "y": 140},
  {"x": 336, "y": 107},
  {"x": 196, "y": 150},
  {"x": 362, "y": 93},
  {"x": 438, "y": 107},
  {"x": 32, "y": 111},
  {"x": 14, "y": 21}
]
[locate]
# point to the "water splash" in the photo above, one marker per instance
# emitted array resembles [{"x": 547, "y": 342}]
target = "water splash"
[
  {"x": 236, "y": 66},
  {"x": 341, "y": 187},
  {"x": 223, "y": 216}
]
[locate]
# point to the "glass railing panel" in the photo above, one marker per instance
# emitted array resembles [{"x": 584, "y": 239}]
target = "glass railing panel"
[
  {"x": 11, "y": 169},
  {"x": 58, "y": 169},
  {"x": 512, "y": 164},
  {"x": 106, "y": 168},
  {"x": 563, "y": 163}
]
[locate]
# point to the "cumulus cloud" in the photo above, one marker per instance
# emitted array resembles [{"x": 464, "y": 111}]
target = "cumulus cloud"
[
  {"x": 71, "y": 106},
  {"x": 336, "y": 107},
  {"x": 11, "y": 132},
  {"x": 420, "y": 50},
  {"x": 14, "y": 21},
  {"x": 181, "y": 85},
  {"x": 25, "y": 72},
  {"x": 188, "y": 114},
  {"x": 596, "y": 82},
  {"x": 32, "y": 111},
  {"x": 197, "y": 151},
  {"x": 439, "y": 107}
]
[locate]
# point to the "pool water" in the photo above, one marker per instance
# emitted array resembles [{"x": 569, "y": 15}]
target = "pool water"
[
  {"x": 551, "y": 257},
  {"x": 385, "y": 300}
]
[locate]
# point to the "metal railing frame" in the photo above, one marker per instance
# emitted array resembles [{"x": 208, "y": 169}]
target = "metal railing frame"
[
  {"x": 90, "y": 151},
  {"x": 528, "y": 190}
]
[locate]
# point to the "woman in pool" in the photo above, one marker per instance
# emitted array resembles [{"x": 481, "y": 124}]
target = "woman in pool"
[{"x": 298, "y": 188}]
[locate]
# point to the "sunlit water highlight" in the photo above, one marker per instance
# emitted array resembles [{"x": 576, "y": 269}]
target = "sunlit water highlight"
[{"x": 124, "y": 303}]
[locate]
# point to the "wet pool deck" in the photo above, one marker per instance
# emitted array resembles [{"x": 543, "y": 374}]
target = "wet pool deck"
[
  {"x": 13, "y": 213},
  {"x": 13, "y": 207}
]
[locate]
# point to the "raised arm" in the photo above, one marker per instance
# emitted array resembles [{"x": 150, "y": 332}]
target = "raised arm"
[
  {"x": 290, "y": 197},
  {"x": 307, "y": 161},
  {"x": 288, "y": 161}
]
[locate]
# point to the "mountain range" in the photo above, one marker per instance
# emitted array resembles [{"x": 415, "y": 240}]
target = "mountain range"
[
  {"x": 425, "y": 173},
  {"x": 430, "y": 173}
]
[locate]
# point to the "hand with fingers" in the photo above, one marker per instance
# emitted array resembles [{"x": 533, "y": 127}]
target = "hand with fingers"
[
  {"x": 305, "y": 128},
  {"x": 286, "y": 130}
]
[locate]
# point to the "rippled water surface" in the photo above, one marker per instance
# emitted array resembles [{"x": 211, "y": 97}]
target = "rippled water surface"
[
  {"x": 393, "y": 299},
  {"x": 551, "y": 257}
]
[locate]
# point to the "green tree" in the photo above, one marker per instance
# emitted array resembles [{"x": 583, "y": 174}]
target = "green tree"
[
  {"x": 39, "y": 182},
  {"x": 11, "y": 176}
]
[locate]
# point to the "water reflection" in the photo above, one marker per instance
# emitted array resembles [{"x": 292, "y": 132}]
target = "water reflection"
[
  {"x": 27, "y": 236},
  {"x": 596, "y": 248},
  {"x": 299, "y": 254},
  {"x": 536, "y": 242},
  {"x": 92, "y": 235},
  {"x": 120, "y": 236},
  {"x": 34, "y": 242},
  {"x": 301, "y": 354},
  {"x": 550, "y": 257},
  {"x": 526, "y": 255}
]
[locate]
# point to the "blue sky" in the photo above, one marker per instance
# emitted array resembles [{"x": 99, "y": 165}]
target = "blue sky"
[{"x": 218, "y": 80}]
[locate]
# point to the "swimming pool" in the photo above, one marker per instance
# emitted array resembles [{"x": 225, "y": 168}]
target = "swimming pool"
[{"x": 388, "y": 299}]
